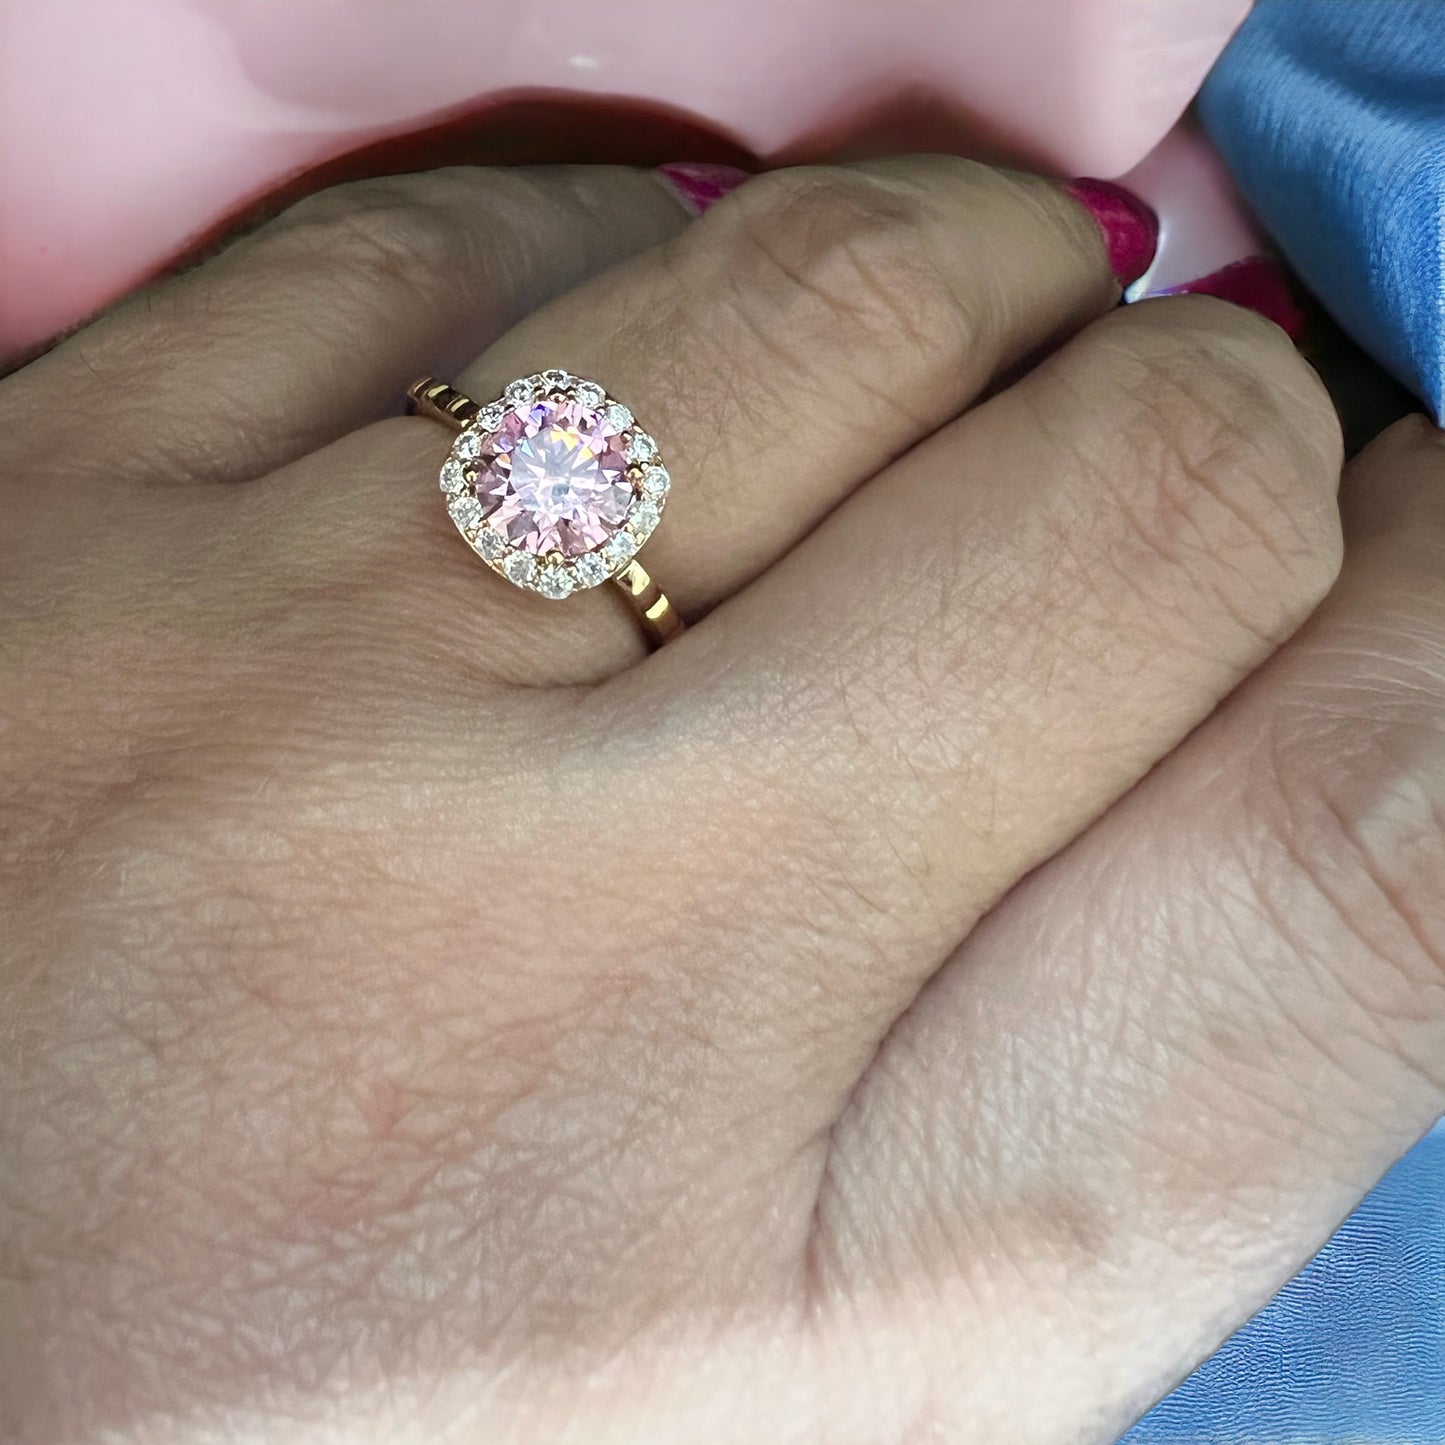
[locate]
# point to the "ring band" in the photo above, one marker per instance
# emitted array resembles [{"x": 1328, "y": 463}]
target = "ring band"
[{"x": 555, "y": 487}]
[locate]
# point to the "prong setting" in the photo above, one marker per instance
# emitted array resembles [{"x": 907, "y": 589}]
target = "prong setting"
[{"x": 600, "y": 438}]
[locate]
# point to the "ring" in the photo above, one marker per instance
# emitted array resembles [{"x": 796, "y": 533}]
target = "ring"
[{"x": 555, "y": 486}]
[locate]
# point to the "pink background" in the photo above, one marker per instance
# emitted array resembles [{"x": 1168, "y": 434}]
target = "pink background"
[{"x": 129, "y": 129}]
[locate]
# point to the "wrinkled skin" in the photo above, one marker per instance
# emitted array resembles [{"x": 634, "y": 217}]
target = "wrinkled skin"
[{"x": 935, "y": 999}]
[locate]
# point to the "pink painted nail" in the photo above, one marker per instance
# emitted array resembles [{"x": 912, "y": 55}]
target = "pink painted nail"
[
  {"x": 1258, "y": 283},
  {"x": 1130, "y": 227},
  {"x": 699, "y": 184}
]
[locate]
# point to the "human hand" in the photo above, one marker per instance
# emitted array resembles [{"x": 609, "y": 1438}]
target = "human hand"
[{"x": 422, "y": 1022}]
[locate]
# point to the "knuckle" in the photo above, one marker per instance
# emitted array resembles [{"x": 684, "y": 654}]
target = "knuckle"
[
  {"x": 1240, "y": 452},
  {"x": 1232, "y": 374},
  {"x": 376, "y": 230},
  {"x": 822, "y": 247},
  {"x": 1355, "y": 793}
]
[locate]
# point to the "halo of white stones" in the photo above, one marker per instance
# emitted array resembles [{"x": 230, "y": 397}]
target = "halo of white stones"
[{"x": 551, "y": 574}]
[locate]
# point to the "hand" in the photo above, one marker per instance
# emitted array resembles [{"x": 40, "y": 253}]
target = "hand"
[{"x": 422, "y": 1022}]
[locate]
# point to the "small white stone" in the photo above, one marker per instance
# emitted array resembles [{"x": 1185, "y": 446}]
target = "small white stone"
[
  {"x": 619, "y": 548},
  {"x": 466, "y": 511},
  {"x": 556, "y": 380},
  {"x": 616, "y": 417},
  {"x": 655, "y": 482},
  {"x": 490, "y": 416},
  {"x": 469, "y": 446},
  {"x": 519, "y": 567},
  {"x": 554, "y": 582},
  {"x": 590, "y": 394},
  {"x": 491, "y": 544},
  {"x": 591, "y": 569},
  {"x": 641, "y": 448},
  {"x": 454, "y": 479},
  {"x": 519, "y": 392},
  {"x": 643, "y": 519}
]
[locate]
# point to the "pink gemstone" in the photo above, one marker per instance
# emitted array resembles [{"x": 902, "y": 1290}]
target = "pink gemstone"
[{"x": 554, "y": 478}]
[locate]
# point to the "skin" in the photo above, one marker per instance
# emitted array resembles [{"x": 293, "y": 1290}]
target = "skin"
[{"x": 935, "y": 999}]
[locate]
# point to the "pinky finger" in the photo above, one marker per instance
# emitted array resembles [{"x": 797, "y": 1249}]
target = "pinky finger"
[{"x": 1151, "y": 1084}]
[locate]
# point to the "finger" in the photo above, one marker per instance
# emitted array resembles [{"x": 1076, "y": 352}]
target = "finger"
[
  {"x": 807, "y": 329},
  {"x": 928, "y": 274},
  {"x": 990, "y": 643},
  {"x": 313, "y": 325},
  {"x": 1157, "y": 1077}
]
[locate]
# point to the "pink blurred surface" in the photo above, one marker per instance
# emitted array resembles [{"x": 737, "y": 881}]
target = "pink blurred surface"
[
  {"x": 1204, "y": 223},
  {"x": 130, "y": 128}
]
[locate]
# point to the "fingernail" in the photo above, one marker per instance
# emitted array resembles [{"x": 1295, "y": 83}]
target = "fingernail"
[
  {"x": 1258, "y": 283},
  {"x": 1130, "y": 227},
  {"x": 698, "y": 184}
]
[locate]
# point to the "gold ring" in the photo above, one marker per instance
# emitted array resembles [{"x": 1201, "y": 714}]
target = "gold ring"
[{"x": 555, "y": 487}]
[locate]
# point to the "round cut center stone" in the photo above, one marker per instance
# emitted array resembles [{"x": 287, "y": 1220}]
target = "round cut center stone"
[{"x": 554, "y": 478}]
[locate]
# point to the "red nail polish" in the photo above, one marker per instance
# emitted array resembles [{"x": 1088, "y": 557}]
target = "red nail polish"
[
  {"x": 699, "y": 184},
  {"x": 1258, "y": 283},
  {"x": 1130, "y": 227}
]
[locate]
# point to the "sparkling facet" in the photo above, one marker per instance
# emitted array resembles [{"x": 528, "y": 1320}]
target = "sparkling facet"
[
  {"x": 641, "y": 448},
  {"x": 590, "y": 394},
  {"x": 518, "y": 392},
  {"x": 655, "y": 481},
  {"x": 519, "y": 567},
  {"x": 553, "y": 478},
  {"x": 490, "y": 544},
  {"x": 617, "y": 416},
  {"x": 619, "y": 549},
  {"x": 469, "y": 445},
  {"x": 591, "y": 569},
  {"x": 454, "y": 479},
  {"x": 466, "y": 511},
  {"x": 644, "y": 518},
  {"x": 556, "y": 380},
  {"x": 490, "y": 416},
  {"x": 555, "y": 582}
]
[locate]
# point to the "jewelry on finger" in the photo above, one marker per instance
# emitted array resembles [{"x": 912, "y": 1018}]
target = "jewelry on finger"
[{"x": 555, "y": 487}]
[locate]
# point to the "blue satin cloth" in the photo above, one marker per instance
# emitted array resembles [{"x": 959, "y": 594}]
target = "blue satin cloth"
[
  {"x": 1331, "y": 114},
  {"x": 1352, "y": 1351}
]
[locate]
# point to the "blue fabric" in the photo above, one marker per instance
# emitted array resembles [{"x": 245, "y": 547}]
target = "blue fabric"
[
  {"x": 1352, "y": 1351},
  {"x": 1331, "y": 114}
]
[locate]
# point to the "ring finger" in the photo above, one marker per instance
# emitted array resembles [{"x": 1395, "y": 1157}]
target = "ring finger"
[{"x": 784, "y": 349}]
